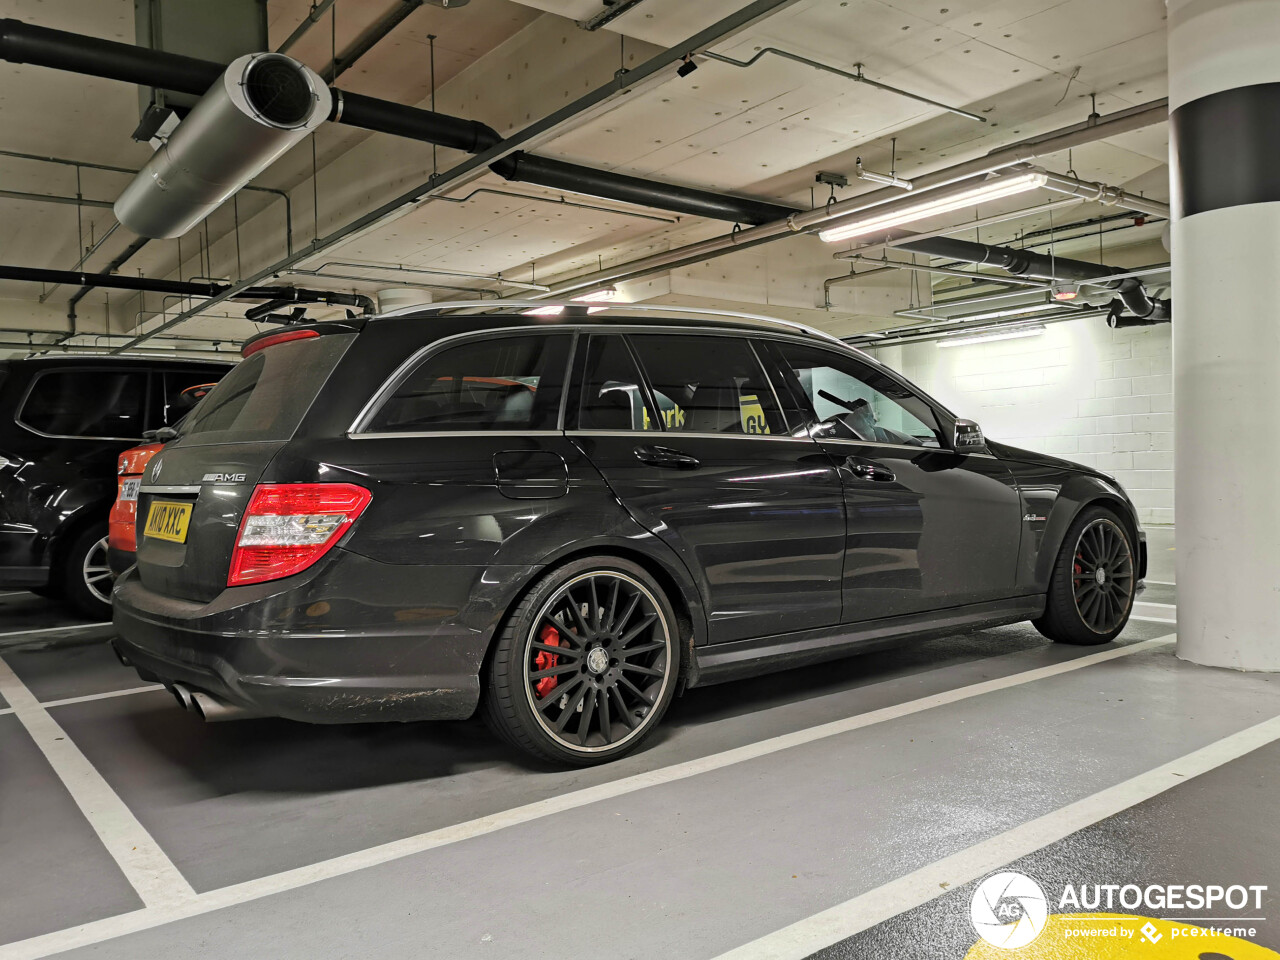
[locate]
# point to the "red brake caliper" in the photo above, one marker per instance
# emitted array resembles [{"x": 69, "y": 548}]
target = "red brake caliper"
[{"x": 545, "y": 661}]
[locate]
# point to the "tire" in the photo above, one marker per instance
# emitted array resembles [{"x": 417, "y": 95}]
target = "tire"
[
  {"x": 85, "y": 577},
  {"x": 551, "y": 694},
  {"x": 1094, "y": 580}
]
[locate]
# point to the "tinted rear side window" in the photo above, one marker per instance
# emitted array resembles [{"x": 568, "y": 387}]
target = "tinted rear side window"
[
  {"x": 716, "y": 384},
  {"x": 87, "y": 403},
  {"x": 266, "y": 396},
  {"x": 496, "y": 383}
]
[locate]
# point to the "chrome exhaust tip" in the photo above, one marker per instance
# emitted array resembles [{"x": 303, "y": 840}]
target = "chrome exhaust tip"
[
  {"x": 182, "y": 694},
  {"x": 124, "y": 661},
  {"x": 216, "y": 711}
]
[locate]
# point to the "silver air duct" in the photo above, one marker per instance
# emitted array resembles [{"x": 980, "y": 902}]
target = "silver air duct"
[{"x": 261, "y": 106}]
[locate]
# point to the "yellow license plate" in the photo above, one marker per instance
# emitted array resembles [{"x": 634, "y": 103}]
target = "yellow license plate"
[{"x": 168, "y": 521}]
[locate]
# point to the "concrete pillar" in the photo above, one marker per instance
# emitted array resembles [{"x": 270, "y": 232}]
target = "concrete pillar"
[{"x": 1224, "y": 98}]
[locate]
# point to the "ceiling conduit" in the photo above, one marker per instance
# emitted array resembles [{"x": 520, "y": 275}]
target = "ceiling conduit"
[
  {"x": 58, "y": 49},
  {"x": 185, "y": 288},
  {"x": 1038, "y": 266}
]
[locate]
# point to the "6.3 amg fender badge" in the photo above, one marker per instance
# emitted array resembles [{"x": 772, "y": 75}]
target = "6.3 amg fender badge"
[
  {"x": 1034, "y": 518},
  {"x": 223, "y": 478}
]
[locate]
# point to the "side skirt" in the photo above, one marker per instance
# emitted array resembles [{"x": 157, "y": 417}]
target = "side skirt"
[{"x": 745, "y": 658}]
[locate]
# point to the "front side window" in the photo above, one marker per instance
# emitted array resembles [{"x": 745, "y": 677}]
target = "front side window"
[
  {"x": 87, "y": 403},
  {"x": 850, "y": 400},
  {"x": 497, "y": 383},
  {"x": 715, "y": 384}
]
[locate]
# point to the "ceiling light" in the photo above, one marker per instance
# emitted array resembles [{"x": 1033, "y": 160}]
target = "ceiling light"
[
  {"x": 596, "y": 296},
  {"x": 992, "y": 189},
  {"x": 687, "y": 66},
  {"x": 1066, "y": 291},
  {"x": 1015, "y": 333},
  {"x": 552, "y": 310},
  {"x": 1007, "y": 312}
]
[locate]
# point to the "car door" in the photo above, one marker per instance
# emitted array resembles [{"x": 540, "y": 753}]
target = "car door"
[
  {"x": 700, "y": 455},
  {"x": 927, "y": 528}
]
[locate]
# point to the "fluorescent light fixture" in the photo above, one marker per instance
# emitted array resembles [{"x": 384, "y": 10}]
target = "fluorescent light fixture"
[
  {"x": 992, "y": 189},
  {"x": 1015, "y": 333},
  {"x": 597, "y": 296},
  {"x": 1007, "y": 312}
]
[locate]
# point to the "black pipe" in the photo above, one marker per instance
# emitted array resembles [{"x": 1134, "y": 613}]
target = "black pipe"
[
  {"x": 112, "y": 267},
  {"x": 24, "y": 43},
  {"x": 1039, "y": 266},
  {"x": 190, "y": 288},
  {"x": 574, "y": 177},
  {"x": 383, "y": 116}
]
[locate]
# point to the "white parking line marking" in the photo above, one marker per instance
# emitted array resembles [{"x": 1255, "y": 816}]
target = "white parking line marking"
[
  {"x": 928, "y": 883},
  {"x": 1161, "y": 583},
  {"x": 72, "y": 626},
  {"x": 147, "y": 867},
  {"x": 6, "y": 710},
  {"x": 118, "y": 926},
  {"x": 102, "y": 696}
]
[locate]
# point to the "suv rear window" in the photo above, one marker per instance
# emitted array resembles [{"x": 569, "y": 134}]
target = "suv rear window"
[
  {"x": 266, "y": 396},
  {"x": 86, "y": 403}
]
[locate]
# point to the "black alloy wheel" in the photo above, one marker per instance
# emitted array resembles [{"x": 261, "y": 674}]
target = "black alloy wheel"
[
  {"x": 1102, "y": 576},
  {"x": 586, "y": 665},
  {"x": 1094, "y": 582}
]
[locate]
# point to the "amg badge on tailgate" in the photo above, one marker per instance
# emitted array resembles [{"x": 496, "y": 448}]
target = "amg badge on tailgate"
[{"x": 223, "y": 478}]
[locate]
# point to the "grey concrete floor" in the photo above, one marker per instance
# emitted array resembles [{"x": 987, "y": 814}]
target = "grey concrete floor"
[{"x": 303, "y": 841}]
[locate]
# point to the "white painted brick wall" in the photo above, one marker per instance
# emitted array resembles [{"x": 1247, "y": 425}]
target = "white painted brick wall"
[{"x": 1081, "y": 391}]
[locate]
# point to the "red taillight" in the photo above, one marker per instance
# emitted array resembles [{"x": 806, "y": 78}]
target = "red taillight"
[
  {"x": 284, "y": 336},
  {"x": 289, "y": 526}
]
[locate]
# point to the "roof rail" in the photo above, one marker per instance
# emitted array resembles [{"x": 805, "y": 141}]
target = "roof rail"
[{"x": 523, "y": 305}]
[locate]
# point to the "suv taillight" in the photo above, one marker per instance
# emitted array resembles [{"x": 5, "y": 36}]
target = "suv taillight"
[{"x": 289, "y": 526}]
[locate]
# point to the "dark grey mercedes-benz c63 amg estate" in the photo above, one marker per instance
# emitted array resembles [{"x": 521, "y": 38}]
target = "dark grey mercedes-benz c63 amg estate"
[{"x": 563, "y": 520}]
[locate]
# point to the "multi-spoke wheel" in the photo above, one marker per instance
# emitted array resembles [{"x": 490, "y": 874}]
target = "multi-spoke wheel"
[
  {"x": 86, "y": 577},
  {"x": 586, "y": 664},
  {"x": 1094, "y": 580}
]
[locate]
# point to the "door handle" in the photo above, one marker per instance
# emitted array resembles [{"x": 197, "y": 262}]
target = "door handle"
[
  {"x": 870, "y": 471},
  {"x": 657, "y": 456}
]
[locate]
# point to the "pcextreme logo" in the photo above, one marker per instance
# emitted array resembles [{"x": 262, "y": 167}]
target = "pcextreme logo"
[{"x": 1010, "y": 912}]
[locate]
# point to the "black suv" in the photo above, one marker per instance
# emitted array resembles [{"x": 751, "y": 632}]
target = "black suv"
[
  {"x": 564, "y": 519},
  {"x": 63, "y": 422}
]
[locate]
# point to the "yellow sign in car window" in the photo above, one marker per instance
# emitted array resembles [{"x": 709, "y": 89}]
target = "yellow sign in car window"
[{"x": 752, "y": 414}]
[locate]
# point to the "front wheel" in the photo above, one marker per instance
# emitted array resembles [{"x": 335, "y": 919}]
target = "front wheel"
[
  {"x": 1094, "y": 582},
  {"x": 586, "y": 664}
]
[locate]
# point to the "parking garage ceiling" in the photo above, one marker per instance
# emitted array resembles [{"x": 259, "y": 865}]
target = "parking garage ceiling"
[{"x": 1026, "y": 67}]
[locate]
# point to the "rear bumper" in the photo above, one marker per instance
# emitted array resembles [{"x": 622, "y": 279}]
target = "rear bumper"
[{"x": 304, "y": 649}]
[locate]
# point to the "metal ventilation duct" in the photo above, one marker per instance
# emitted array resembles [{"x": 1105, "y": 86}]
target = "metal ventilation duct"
[{"x": 261, "y": 106}]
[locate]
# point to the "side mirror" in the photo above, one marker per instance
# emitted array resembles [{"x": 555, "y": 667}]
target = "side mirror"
[
  {"x": 968, "y": 437},
  {"x": 165, "y": 434}
]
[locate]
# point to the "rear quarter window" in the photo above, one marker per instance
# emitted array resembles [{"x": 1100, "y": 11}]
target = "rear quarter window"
[{"x": 266, "y": 396}]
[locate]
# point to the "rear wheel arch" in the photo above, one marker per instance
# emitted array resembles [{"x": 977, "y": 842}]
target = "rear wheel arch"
[{"x": 682, "y": 596}]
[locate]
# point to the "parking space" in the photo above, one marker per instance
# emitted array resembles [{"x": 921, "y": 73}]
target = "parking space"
[{"x": 295, "y": 829}]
